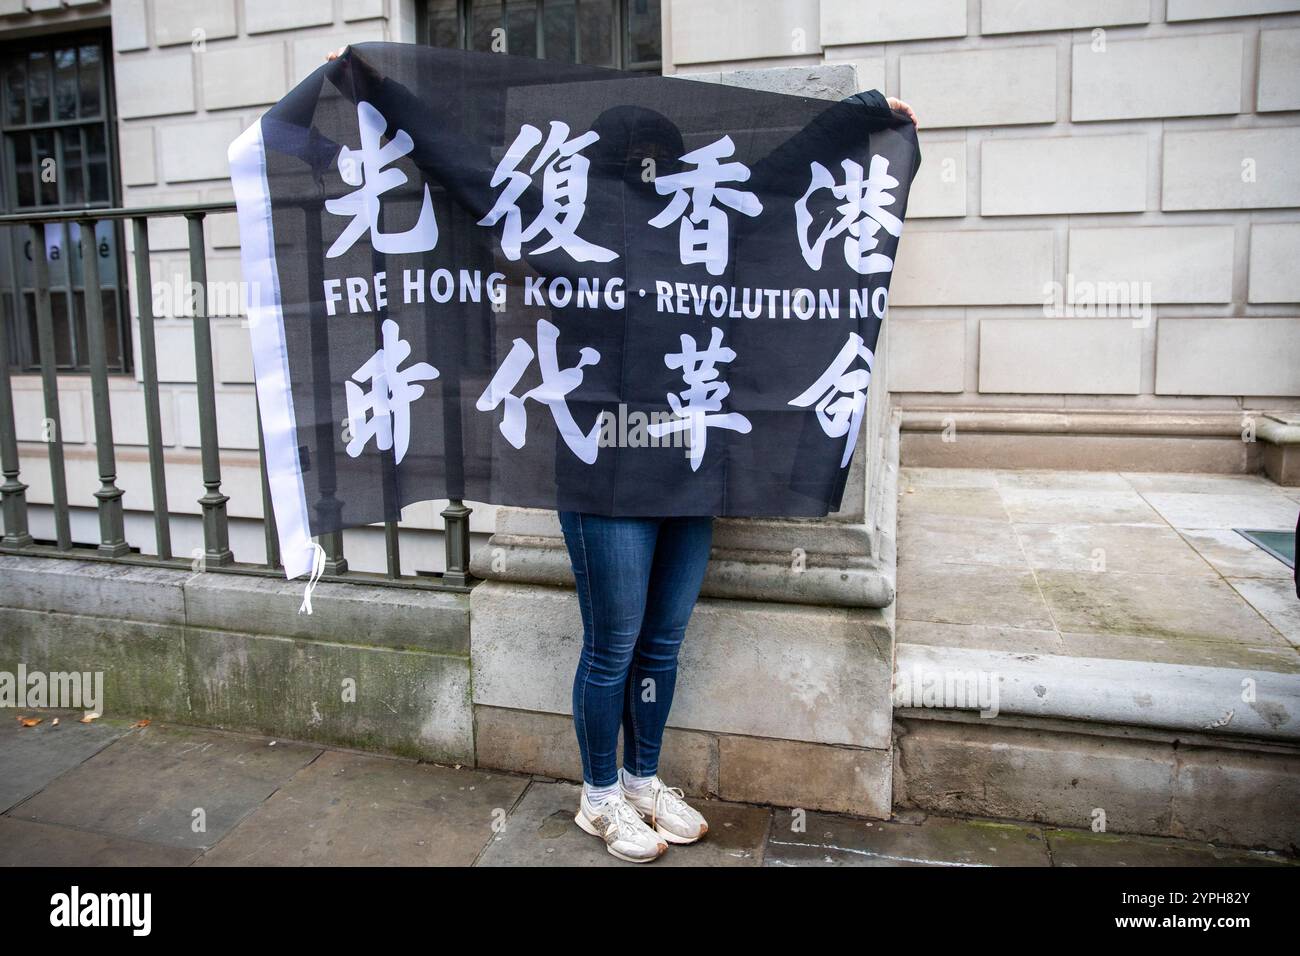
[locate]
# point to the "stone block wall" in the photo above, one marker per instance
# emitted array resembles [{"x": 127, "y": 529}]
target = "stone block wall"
[{"x": 1070, "y": 143}]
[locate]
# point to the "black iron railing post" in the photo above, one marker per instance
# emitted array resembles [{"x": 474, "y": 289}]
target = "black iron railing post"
[
  {"x": 149, "y": 371},
  {"x": 216, "y": 527},
  {"x": 13, "y": 493},
  {"x": 112, "y": 531},
  {"x": 52, "y": 427},
  {"x": 455, "y": 532}
]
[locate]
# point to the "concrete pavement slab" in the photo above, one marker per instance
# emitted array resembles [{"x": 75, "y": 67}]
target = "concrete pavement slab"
[
  {"x": 1153, "y": 605},
  {"x": 24, "y": 843},
  {"x": 1139, "y": 548},
  {"x": 31, "y": 757},
  {"x": 1178, "y": 650},
  {"x": 978, "y": 636},
  {"x": 948, "y": 539},
  {"x": 1063, "y": 480},
  {"x": 1076, "y": 506},
  {"x": 1233, "y": 556},
  {"x": 946, "y": 478},
  {"x": 1192, "y": 511},
  {"x": 936, "y": 841},
  {"x": 1276, "y": 600},
  {"x": 350, "y": 809},
  {"x": 541, "y": 832},
  {"x": 966, "y": 502},
  {"x": 1160, "y": 482},
  {"x": 972, "y": 594},
  {"x": 172, "y": 785},
  {"x": 1084, "y": 848}
]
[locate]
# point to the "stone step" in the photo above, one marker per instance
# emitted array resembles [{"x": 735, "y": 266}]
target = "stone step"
[{"x": 1206, "y": 753}]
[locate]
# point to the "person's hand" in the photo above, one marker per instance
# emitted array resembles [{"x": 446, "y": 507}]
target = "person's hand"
[
  {"x": 335, "y": 54},
  {"x": 896, "y": 104}
]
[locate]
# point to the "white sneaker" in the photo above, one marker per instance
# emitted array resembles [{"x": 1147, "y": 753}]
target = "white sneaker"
[
  {"x": 672, "y": 817},
  {"x": 621, "y": 827}
]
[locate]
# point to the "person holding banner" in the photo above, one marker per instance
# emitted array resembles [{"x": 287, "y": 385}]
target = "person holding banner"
[{"x": 638, "y": 578}]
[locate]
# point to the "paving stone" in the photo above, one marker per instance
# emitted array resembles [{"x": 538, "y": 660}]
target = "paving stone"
[
  {"x": 148, "y": 785},
  {"x": 1071, "y": 480},
  {"x": 1180, "y": 650},
  {"x": 1136, "y": 548},
  {"x": 981, "y": 637},
  {"x": 972, "y": 594},
  {"x": 1198, "y": 484},
  {"x": 966, "y": 502},
  {"x": 913, "y": 478},
  {"x": 1275, "y": 600},
  {"x": 1084, "y": 848},
  {"x": 1235, "y": 557},
  {"x": 1194, "y": 511},
  {"x": 31, "y": 757},
  {"x": 1153, "y": 605},
  {"x": 540, "y": 832},
  {"x": 1076, "y": 506},
  {"x": 24, "y": 843},
  {"x": 937, "y": 841},
  {"x": 356, "y": 810},
  {"x": 946, "y": 539}
]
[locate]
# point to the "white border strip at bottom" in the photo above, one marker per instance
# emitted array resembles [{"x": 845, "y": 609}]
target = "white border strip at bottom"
[{"x": 247, "y": 156}]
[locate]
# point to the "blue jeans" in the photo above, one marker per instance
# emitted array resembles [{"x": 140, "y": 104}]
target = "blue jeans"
[{"x": 637, "y": 580}]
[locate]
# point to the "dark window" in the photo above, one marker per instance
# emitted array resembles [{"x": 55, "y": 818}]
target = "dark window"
[
  {"x": 56, "y": 120},
  {"x": 618, "y": 33}
]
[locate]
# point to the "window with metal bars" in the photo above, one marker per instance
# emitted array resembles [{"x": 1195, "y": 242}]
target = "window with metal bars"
[
  {"x": 58, "y": 152},
  {"x": 624, "y": 34}
]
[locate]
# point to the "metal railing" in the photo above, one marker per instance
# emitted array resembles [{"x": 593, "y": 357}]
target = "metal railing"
[{"x": 217, "y": 555}]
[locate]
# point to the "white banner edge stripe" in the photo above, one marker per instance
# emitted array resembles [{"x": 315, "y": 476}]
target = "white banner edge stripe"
[{"x": 247, "y": 155}]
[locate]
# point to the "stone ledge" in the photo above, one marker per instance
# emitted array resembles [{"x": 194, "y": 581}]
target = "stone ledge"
[
  {"x": 732, "y": 575},
  {"x": 1084, "y": 452},
  {"x": 1280, "y": 436},
  {"x": 1176, "y": 697},
  {"x": 1082, "y": 422},
  {"x": 402, "y": 618},
  {"x": 94, "y": 588}
]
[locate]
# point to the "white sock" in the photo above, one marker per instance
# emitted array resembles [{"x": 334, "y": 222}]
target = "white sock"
[
  {"x": 632, "y": 782},
  {"x": 598, "y": 795}
]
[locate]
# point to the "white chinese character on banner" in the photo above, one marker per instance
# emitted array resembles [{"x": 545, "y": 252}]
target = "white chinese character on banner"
[
  {"x": 564, "y": 194},
  {"x": 365, "y": 169},
  {"x": 388, "y": 402},
  {"x": 696, "y": 407},
  {"x": 704, "y": 235},
  {"x": 862, "y": 214},
  {"x": 841, "y": 394},
  {"x": 556, "y": 384}
]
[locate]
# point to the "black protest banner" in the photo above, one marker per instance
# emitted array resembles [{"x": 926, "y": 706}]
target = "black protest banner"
[{"x": 533, "y": 283}]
